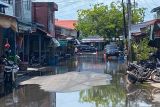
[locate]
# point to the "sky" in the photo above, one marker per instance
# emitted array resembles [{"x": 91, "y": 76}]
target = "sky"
[{"x": 68, "y": 8}]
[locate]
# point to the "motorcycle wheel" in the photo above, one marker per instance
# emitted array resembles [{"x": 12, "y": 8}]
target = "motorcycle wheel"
[
  {"x": 155, "y": 76},
  {"x": 130, "y": 79}
]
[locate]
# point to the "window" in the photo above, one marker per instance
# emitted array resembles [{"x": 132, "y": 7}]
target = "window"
[
  {"x": 8, "y": 1},
  {"x": 27, "y": 4}
]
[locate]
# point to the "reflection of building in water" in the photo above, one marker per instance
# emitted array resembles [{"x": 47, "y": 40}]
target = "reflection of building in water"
[
  {"x": 28, "y": 96},
  {"x": 115, "y": 66},
  {"x": 92, "y": 67}
]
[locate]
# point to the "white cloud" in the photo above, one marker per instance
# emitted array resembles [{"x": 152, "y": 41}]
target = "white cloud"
[{"x": 68, "y": 8}]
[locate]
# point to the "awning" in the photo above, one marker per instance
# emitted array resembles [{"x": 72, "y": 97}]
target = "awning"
[
  {"x": 54, "y": 43},
  {"x": 8, "y": 22},
  {"x": 4, "y": 4},
  {"x": 24, "y": 27},
  {"x": 63, "y": 43}
]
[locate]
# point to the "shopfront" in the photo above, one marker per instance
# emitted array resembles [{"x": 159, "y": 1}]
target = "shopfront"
[{"x": 8, "y": 29}]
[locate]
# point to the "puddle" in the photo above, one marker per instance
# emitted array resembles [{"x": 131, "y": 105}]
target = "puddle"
[{"x": 69, "y": 82}]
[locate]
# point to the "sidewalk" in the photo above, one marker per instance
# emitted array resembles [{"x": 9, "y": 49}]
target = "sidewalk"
[{"x": 37, "y": 70}]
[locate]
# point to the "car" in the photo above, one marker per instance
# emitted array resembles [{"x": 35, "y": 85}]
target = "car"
[
  {"x": 86, "y": 48},
  {"x": 111, "y": 50}
]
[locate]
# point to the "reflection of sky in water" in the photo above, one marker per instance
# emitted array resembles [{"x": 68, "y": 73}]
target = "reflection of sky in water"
[{"x": 70, "y": 100}]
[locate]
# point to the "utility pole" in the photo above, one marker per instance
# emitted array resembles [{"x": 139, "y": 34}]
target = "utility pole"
[
  {"x": 124, "y": 21},
  {"x": 129, "y": 31},
  {"x": 14, "y": 4}
]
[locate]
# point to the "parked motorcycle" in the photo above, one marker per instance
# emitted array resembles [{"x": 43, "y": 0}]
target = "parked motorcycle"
[
  {"x": 10, "y": 69},
  {"x": 142, "y": 72}
]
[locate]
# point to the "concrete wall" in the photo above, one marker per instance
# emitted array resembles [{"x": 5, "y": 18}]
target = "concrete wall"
[
  {"x": 27, "y": 11},
  {"x": 40, "y": 14},
  {"x": 158, "y": 15},
  {"x": 43, "y": 13},
  {"x": 9, "y": 11},
  {"x": 68, "y": 32}
]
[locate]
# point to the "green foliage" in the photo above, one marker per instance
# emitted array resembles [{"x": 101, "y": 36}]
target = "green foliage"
[
  {"x": 105, "y": 20},
  {"x": 141, "y": 49}
]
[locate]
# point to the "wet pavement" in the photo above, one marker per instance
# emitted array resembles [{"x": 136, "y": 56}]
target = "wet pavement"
[{"x": 86, "y": 80}]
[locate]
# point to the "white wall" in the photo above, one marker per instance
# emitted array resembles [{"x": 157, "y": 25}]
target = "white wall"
[
  {"x": 27, "y": 11},
  {"x": 68, "y": 32},
  {"x": 9, "y": 10}
]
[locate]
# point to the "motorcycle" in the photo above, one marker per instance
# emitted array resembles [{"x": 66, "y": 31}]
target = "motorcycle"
[
  {"x": 10, "y": 69},
  {"x": 142, "y": 72}
]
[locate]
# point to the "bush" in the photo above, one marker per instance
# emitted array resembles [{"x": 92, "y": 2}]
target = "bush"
[{"x": 141, "y": 50}]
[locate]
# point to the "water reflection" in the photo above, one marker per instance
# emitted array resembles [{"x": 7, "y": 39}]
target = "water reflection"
[
  {"x": 143, "y": 95},
  {"x": 112, "y": 95},
  {"x": 27, "y": 96},
  {"x": 115, "y": 66},
  {"x": 92, "y": 63},
  {"x": 116, "y": 94}
]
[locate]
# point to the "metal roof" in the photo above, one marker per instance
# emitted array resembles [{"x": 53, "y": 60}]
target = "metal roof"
[
  {"x": 156, "y": 9},
  {"x": 4, "y": 4}
]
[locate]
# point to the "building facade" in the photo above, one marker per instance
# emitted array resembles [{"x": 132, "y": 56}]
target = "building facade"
[
  {"x": 8, "y": 29},
  {"x": 44, "y": 13},
  {"x": 66, "y": 28}
]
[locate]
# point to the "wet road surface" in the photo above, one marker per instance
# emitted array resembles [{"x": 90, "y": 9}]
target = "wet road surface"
[{"x": 113, "y": 92}]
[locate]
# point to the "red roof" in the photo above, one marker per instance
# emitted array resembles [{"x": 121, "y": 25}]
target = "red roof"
[{"x": 69, "y": 24}]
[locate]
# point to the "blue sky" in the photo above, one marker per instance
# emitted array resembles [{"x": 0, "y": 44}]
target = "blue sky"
[{"x": 68, "y": 8}]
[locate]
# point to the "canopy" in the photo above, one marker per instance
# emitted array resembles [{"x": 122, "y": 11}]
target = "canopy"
[
  {"x": 8, "y": 22},
  {"x": 63, "y": 42},
  {"x": 54, "y": 43}
]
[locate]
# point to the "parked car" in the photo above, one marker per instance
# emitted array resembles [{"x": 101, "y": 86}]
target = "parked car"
[
  {"x": 111, "y": 50},
  {"x": 86, "y": 48}
]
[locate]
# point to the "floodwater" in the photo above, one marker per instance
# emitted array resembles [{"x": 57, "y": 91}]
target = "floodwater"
[{"x": 86, "y": 80}]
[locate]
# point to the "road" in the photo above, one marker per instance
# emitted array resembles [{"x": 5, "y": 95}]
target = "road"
[{"x": 86, "y": 80}]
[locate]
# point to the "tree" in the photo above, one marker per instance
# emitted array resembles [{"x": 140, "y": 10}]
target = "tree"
[{"x": 105, "y": 21}]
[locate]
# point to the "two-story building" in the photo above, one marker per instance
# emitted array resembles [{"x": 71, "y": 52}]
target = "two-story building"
[
  {"x": 66, "y": 28},
  {"x": 149, "y": 28},
  {"x": 8, "y": 29},
  {"x": 35, "y": 27}
]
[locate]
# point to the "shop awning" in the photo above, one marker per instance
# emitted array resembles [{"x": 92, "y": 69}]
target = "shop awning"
[
  {"x": 7, "y": 21},
  {"x": 63, "y": 43},
  {"x": 2, "y": 4},
  {"x": 54, "y": 43}
]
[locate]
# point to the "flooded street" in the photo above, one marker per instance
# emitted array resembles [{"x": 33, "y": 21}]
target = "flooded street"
[{"x": 86, "y": 80}]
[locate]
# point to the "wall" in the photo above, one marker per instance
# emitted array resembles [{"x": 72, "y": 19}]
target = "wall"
[
  {"x": 40, "y": 14},
  {"x": 26, "y": 11},
  {"x": 43, "y": 13},
  {"x": 158, "y": 15},
  {"x": 68, "y": 32},
  {"x": 9, "y": 11}
]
